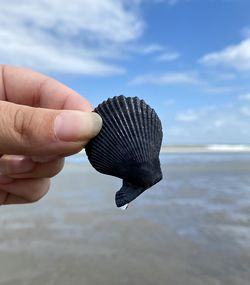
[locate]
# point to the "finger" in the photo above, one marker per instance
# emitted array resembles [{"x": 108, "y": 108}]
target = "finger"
[
  {"x": 24, "y": 190},
  {"x": 11, "y": 199},
  {"x": 43, "y": 159},
  {"x": 37, "y": 131},
  {"x": 22, "y": 167},
  {"x": 5, "y": 179},
  {"x": 15, "y": 164},
  {"x": 26, "y": 87}
]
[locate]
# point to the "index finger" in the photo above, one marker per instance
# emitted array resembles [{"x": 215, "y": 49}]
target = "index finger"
[{"x": 26, "y": 87}]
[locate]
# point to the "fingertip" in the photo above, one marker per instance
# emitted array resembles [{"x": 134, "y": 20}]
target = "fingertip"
[
  {"x": 75, "y": 126},
  {"x": 97, "y": 123}
]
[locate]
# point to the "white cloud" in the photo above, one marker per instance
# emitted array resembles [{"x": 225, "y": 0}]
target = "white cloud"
[
  {"x": 219, "y": 123},
  {"x": 168, "y": 56},
  {"x": 160, "y": 52},
  {"x": 167, "y": 78},
  {"x": 215, "y": 124},
  {"x": 169, "y": 2},
  {"x": 188, "y": 116},
  {"x": 235, "y": 56},
  {"x": 219, "y": 89},
  {"x": 245, "y": 97},
  {"x": 169, "y": 102},
  {"x": 225, "y": 76},
  {"x": 245, "y": 110},
  {"x": 81, "y": 36},
  {"x": 149, "y": 49}
]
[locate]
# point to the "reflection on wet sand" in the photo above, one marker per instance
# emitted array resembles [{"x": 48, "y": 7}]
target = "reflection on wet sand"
[{"x": 191, "y": 228}]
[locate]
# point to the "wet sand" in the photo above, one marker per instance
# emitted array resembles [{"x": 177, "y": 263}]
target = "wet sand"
[{"x": 191, "y": 228}]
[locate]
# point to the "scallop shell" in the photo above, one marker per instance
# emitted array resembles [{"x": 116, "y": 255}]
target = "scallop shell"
[{"x": 127, "y": 146}]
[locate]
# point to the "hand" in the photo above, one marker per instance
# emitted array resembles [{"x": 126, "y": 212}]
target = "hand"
[{"x": 41, "y": 122}]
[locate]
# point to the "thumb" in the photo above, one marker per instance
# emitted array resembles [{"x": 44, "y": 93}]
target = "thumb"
[{"x": 37, "y": 131}]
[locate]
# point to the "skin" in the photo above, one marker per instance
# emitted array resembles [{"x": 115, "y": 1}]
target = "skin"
[{"x": 41, "y": 122}]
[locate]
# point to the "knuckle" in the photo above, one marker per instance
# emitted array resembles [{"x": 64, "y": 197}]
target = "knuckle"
[
  {"x": 22, "y": 123},
  {"x": 19, "y": 118}
]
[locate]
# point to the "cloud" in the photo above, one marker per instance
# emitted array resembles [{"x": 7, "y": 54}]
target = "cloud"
[
  {"x": 245, "y": 97},
  {"x": 149, "y": 49},
  {"x": 168, "y": 56},
  {"x": 169, "y": 2},
  {"x": 160, "y": 52},
  {"x": 167, "y": 78},
  {"x": 235, "y": 56},
  {"x": 174, "y": 2},
  {"x": 188, "y": 116},
  {"x": 245, "y": 110},
  {"x": 215, "y": 124},
  {"x": 219, "y": 89},
  {"x": 81, "y": 36},
  {"x": 225, "y": 76},
  {"x": 169, "y": 102}
]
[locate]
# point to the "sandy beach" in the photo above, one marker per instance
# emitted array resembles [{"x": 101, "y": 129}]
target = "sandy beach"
[{"x": 192, "y": 228}]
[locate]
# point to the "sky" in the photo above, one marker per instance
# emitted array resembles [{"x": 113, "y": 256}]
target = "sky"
[{"x": 188, "y": 59}]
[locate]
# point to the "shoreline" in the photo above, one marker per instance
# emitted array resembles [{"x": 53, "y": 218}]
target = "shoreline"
[
  {"x": 202, "y": 149},
  {"x": 210, "y": 148}
]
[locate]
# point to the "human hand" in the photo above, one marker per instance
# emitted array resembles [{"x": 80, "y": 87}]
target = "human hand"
[{"x": 41, "y": 122}]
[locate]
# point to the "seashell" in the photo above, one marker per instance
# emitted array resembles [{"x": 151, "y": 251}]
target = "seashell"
[{"x": 127, "y": 146}]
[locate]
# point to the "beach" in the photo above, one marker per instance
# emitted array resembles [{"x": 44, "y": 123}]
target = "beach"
[{"x": 192, "y": 228}]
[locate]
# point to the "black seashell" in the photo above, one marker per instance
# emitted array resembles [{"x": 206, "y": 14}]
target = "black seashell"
[{"x": 127, "y": 146}]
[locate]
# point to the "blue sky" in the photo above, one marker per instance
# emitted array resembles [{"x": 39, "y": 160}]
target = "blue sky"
[{"x": 189, "y": 59}]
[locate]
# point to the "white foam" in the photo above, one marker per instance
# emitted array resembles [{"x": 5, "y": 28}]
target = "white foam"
[{"x": 228, "y": 147}]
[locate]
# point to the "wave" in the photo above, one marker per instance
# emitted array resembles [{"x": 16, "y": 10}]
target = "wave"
[
  {"x": 228, "y": 147},
  {"x": 210, "y": 148}
]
